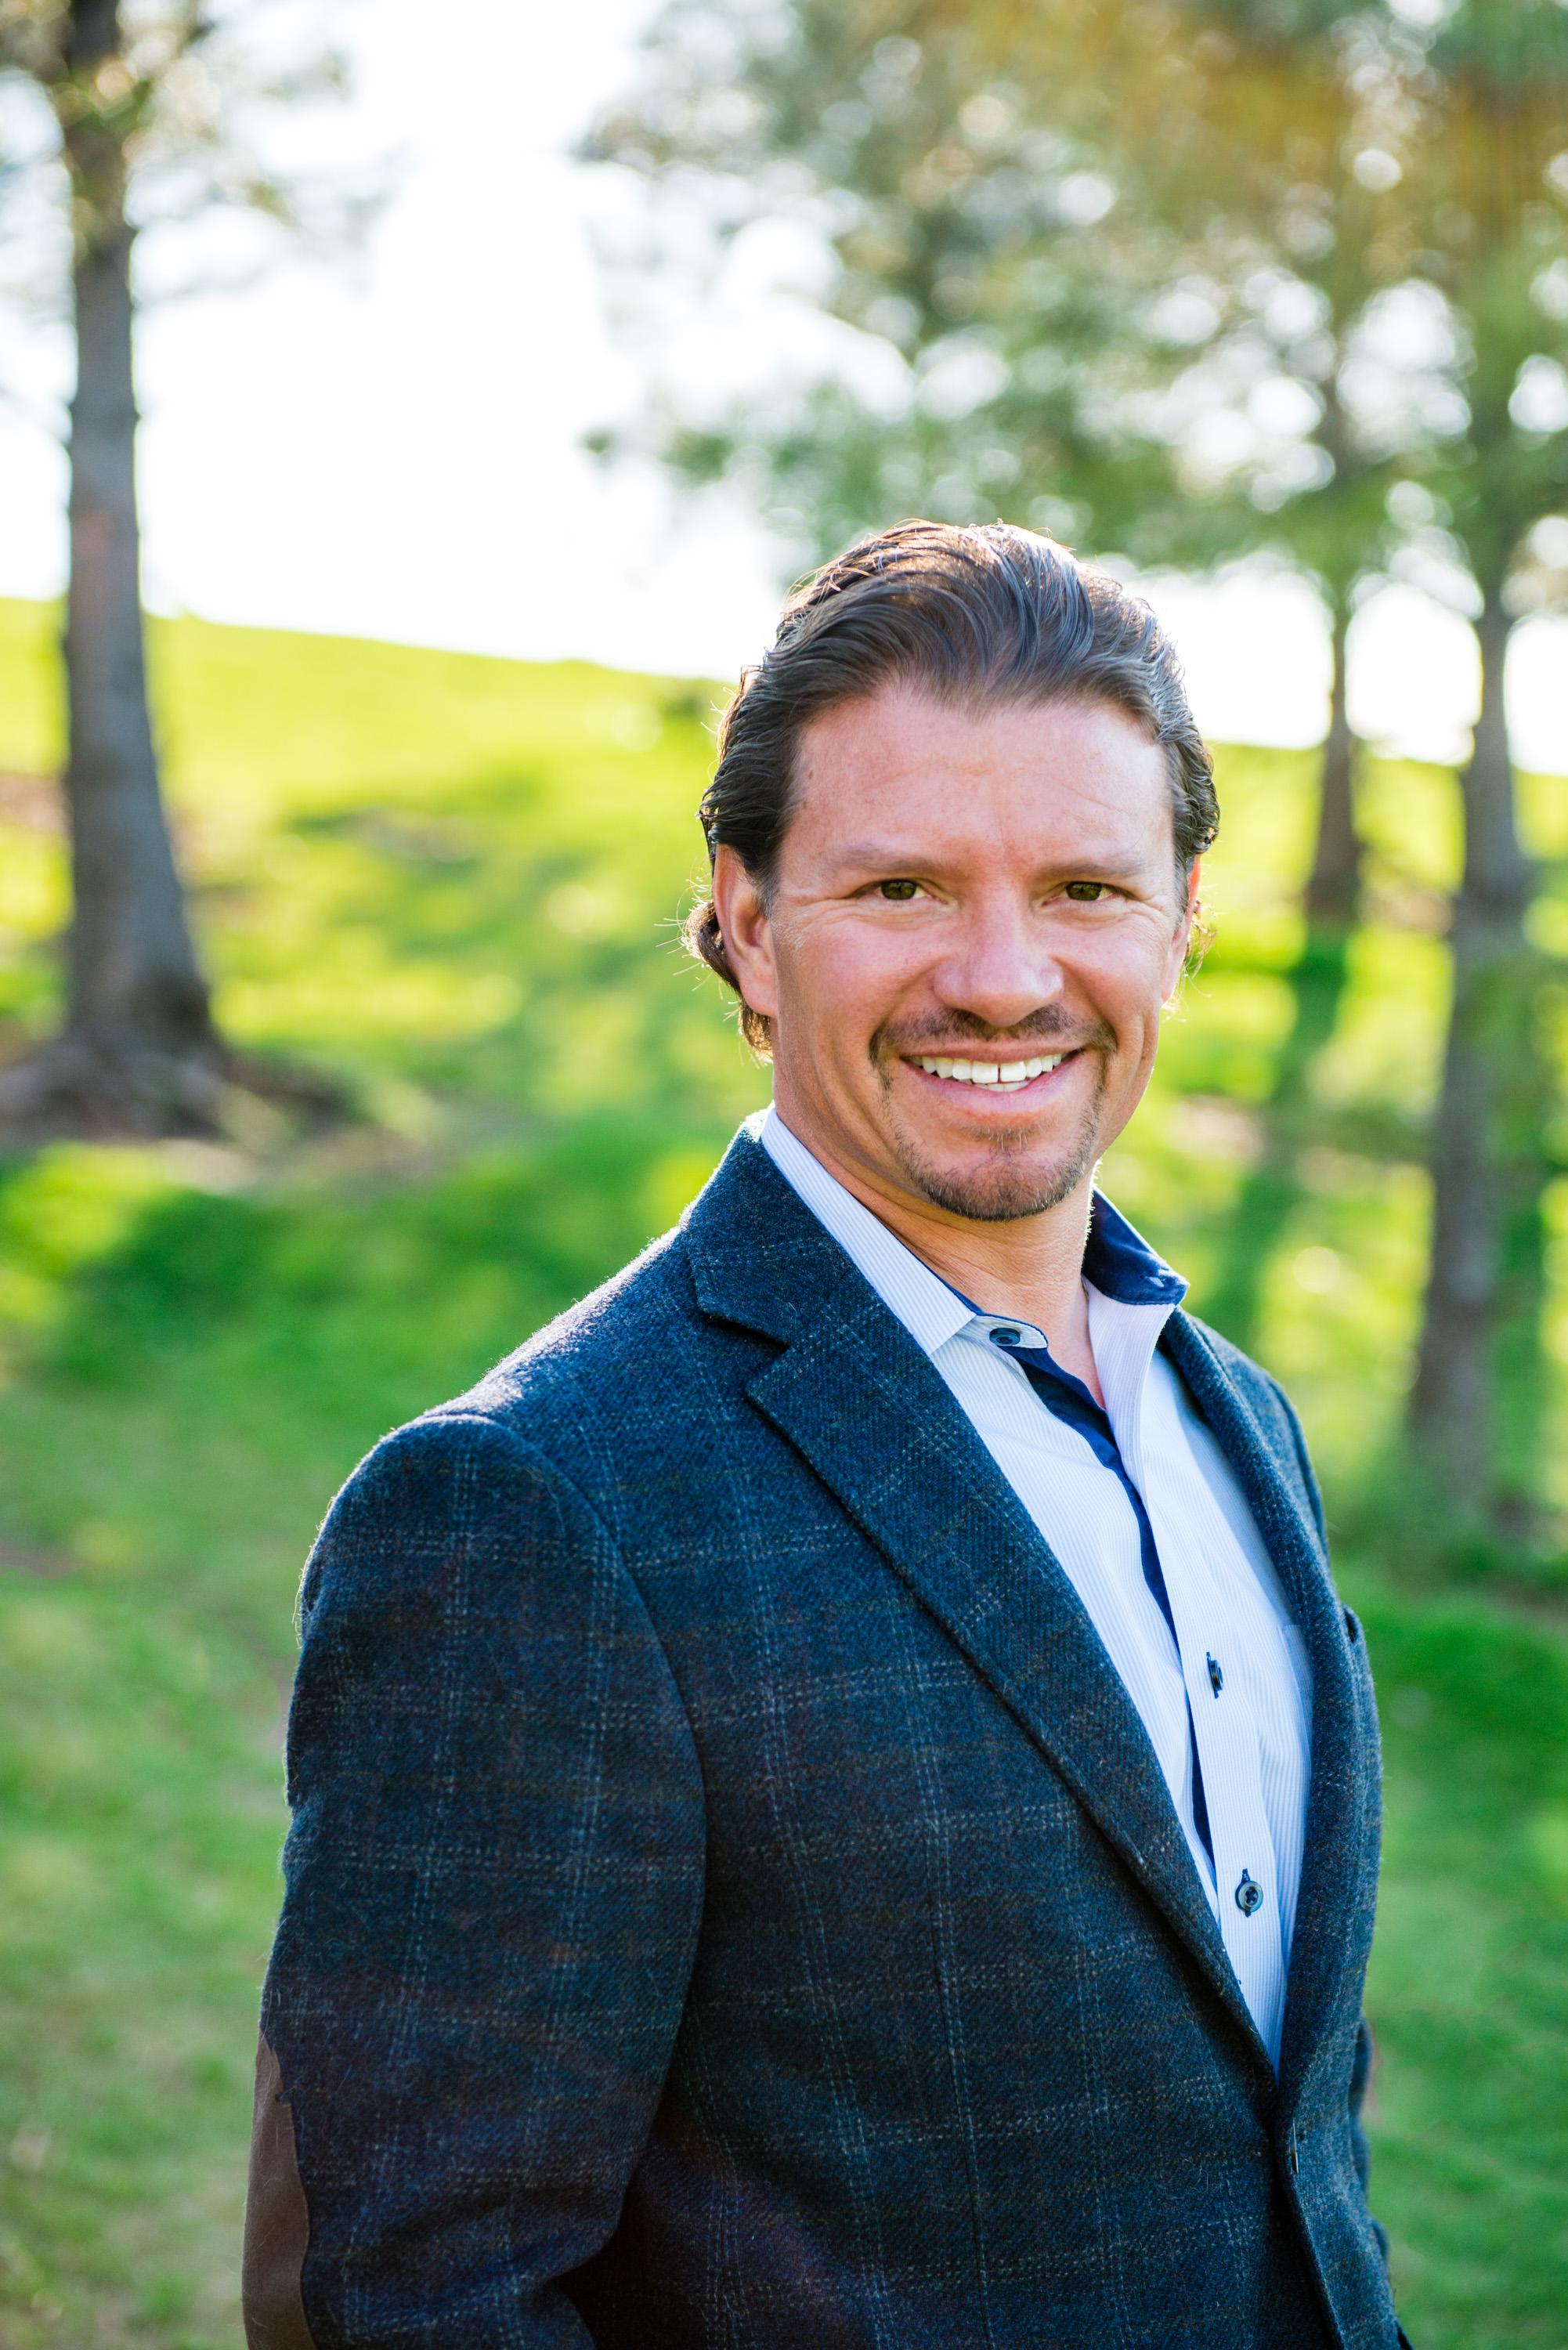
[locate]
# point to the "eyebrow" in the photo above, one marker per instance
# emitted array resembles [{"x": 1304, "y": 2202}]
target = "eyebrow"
[{"x": 882, "y": 857}]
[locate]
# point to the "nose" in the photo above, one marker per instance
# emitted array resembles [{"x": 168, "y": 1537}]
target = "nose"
[{"x": 999, "y": 967}]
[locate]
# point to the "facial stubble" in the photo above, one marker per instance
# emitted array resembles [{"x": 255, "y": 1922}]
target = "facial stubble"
[{"x": 1004, "y": 1190}]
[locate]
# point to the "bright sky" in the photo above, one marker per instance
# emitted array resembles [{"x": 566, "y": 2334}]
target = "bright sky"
[{"x": 392, "y": 451}]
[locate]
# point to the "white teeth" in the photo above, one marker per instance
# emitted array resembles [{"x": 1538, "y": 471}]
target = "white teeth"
[{"x": 1000, "y": 1077}]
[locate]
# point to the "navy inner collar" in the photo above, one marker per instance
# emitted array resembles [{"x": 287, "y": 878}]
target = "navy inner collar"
[
  {"x": 1117, "y": 1260},
  {"x": 1121, "y": 1263}
]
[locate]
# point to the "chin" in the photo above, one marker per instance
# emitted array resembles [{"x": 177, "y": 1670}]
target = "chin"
[{"x": 1011, "y": 1183}]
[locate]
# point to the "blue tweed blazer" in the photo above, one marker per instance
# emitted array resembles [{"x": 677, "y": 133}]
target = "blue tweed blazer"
[{"x": 732, "y": 1899}]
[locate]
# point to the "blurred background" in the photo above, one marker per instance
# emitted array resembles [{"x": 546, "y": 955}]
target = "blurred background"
[{"x": 358, "y": 656}]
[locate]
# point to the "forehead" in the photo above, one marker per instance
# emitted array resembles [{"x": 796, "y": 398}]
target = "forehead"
[{"x": 1023, "y": 778}]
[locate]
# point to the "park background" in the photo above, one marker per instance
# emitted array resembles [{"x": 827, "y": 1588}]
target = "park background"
[{"x": 562, "y": 353}]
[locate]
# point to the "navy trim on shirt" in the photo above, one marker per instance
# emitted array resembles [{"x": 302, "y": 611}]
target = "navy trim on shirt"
[{"x": 1122, "y": 1265}]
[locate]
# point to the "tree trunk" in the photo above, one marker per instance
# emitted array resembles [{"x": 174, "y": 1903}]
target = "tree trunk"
[
  {"x": 1486, "y": 1143},
  {"x": 138, "y": 1040},
  {"x": 1333, "y": 886}
]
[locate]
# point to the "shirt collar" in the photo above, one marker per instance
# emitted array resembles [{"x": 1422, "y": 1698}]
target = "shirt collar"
[
  {"x": 1118, "y": 1261},
  {"x": 929, "y": 1309}
]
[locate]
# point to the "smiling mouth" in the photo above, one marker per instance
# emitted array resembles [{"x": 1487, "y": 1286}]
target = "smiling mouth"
[{"x": 994, "y": 1077}]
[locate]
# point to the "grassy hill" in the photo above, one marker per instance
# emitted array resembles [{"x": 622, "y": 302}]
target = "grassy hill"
[{"x": 453, "y": 883}]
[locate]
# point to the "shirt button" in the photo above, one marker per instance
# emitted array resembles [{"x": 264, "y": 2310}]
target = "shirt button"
[
  {"x": 1007, "y": 1338},
  {"x": 1249, "y": 1895},
  {"x": 1216, "y": 1678}
]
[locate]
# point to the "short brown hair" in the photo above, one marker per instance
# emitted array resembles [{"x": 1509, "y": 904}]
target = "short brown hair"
[{"x": 984, "y": 616}]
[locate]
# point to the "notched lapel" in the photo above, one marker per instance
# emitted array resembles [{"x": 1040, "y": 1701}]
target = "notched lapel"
[
  {"x": 1330, "y": 1907},
  {"x": 859, "y": 1401},
  {"x": 755, "y": 1249}
]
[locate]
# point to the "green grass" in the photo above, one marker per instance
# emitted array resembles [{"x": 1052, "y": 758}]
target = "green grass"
[{"x": 453, "y": 883}]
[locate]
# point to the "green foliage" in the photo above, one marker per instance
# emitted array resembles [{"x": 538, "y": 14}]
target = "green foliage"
[
  {"x": 456, "y": 881},
  {"x": 1470, "y": 2114},
  {"x": 170, "y": 98},
  {"x": 138, "y": 1760},
  {"x": 1182, "y": 281},
  {"x": 1177, "y": 282},
  {"x": 970, "y": 242}
]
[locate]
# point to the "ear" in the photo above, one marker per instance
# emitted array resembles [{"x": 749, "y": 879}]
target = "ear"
[
  {"x": 1181, "y": 942},
  {"x": 746, "y": 932}
]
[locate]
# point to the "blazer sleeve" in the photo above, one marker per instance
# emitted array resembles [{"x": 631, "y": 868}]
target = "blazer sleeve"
[{"x": 494, "y": 1882}]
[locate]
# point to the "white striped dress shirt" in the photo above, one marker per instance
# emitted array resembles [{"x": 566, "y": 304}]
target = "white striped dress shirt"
[{"x": 1235, "y": 1679}]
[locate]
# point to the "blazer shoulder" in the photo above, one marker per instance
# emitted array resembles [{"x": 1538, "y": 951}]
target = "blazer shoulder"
[
  {"x": 646, "y": 1312},
  {"x": 1248, "y": 1374},
  {"x": 444, "y": 1500},
  {"x": 1272, "y": 1408},
  {"x": 563, "y": 1395},
  {"x": 1259, "y": 1385}
]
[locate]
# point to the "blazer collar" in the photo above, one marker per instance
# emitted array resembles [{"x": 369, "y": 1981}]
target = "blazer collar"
[
  {"x": 857, "y": 1398},
  {"x": 1332, "y": 1908},
  {"x": 759, "y": 1258}
]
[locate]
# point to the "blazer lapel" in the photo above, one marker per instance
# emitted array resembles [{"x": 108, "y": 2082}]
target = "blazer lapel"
[
  {"x": 1329, "y": 1909},
  {"x": 862, "y": 1404}
]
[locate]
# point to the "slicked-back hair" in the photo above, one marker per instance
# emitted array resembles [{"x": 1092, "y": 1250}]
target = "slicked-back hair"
[{"x": 975, "y": 618}]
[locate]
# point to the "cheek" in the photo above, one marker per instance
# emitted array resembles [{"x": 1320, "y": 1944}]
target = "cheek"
[
  {"x": 1127, "y": 975},
  {"x": 852, "y": 972}
]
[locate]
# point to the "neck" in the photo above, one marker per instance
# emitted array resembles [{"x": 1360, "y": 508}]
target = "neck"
[{"x": 1031, "y": 1266}]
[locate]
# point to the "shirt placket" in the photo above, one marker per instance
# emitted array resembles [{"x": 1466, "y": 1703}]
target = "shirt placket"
[
  {"x": 1229, "y": 1756},
  {"x": 1028, "y": 1344},
  {"x": 1245, "y": 1890}
]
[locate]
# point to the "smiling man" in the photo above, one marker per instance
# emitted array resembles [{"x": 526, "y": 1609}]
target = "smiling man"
[{"x": 835, "y": 1801}]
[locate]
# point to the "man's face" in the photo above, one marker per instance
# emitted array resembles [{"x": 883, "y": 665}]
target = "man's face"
[{"x": 976, "y": 920}]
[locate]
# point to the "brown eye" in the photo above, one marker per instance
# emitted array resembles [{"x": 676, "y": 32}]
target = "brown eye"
[
  {"x": 1086, "y": 893},
  {"x": 900, "y": 891}
]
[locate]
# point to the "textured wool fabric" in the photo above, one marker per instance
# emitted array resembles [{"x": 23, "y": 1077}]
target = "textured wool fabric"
[
  {"x": 1170, "y": 1594},
  {"x": 731, "y": 1898}
]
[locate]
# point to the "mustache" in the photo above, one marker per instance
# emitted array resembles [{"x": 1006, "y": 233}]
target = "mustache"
[{"x": 1048, "y": 1026}]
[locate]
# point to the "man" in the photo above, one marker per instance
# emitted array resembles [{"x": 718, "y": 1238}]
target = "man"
[{"x": 834, "y": 1803}]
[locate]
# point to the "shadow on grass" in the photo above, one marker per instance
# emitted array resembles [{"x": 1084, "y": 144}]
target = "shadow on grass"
[
  {"x": 192, "y": 1374},
  {"x": 334, "y": 1284}
]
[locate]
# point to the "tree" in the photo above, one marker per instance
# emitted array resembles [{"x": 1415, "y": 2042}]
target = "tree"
[
  {"x": 1182, "y": 279},
  {"x": 1438, "y": 207},
  {"x": 1100, "y": 240},
  {"x": 1278, "y": 144},
  {"x": 152, "y": 109},
  {"x": 974, "y": 254},
  {"x": 1488, "y": 173}
]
